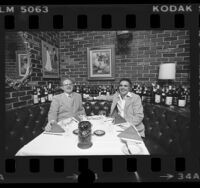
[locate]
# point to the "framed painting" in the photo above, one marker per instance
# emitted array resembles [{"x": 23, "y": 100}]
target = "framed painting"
[
  {"x": 23, "y": 63},
  {"x": 50, "y": 60},
  {"x": 101, "y": 62}
]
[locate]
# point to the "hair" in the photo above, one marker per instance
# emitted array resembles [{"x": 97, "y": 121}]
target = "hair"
[
  {"x": 127, "y": 80},
  {"x": 65, "y": 78}
]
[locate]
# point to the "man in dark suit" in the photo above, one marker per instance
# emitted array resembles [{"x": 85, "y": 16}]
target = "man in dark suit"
[{"x": 65, "y": 105}]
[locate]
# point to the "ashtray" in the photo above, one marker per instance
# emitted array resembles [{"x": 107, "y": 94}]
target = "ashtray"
[
  {"x": 75, "y": 131},
  {"x": 99, "y": 132}
]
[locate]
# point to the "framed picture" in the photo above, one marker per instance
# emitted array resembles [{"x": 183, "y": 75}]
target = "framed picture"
[
  {"x": 50, "y": 60},
  {"x": 101, "y": 62},
  {"x": 22, "y": 61}
]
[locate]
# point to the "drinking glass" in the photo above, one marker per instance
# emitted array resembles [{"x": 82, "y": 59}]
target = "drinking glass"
[{"x": 84, "y": 134}]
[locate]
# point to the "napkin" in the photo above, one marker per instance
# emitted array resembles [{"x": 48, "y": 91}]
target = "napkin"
[
  {"x": 56, "y": 128},
  {"x": 119, "y": 120},
  {"x": 130, "y": 134}
]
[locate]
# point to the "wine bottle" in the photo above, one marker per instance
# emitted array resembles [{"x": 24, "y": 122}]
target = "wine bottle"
[
  {"x": 108, "y": 90},
  {"x": 75, "y": 87},
  {"x": 144, "y": 94},
  {"x": 104, "y": 90},
  {"x": 45, "y": 93},
  {"x": 39, "y": 94},
  {"x": 168, "y": 100},
  {"x": 158, "y": 95},
  {"x": 50, "y": 93},
  {"x": 43, "y": 97},
  {"x": 137, "y": 90},
  {"x": 83, "y": 91},
  {"x": 153, "y": 92},
  {"x": 181, "y": 99},
  {"x": 175, "y": 96},
  {"x": 100, "y": 90},
  {"x": 148, "y": 95},
  {"x": 112, "y": 90},
  {"x": 35, "y": 96},
  {"x": 187, "y": 93},
  {"x": 163, "y": 96},
  {"x": 134, "y": 89}
]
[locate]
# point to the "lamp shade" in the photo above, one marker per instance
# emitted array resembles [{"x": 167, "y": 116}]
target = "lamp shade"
[{"x": 167, "y": 71}]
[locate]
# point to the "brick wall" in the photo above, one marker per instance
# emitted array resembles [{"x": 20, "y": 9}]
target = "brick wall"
[
  {"x": 23, "y": 97},
  {"x": 140, "y": 63},
  {"x": 13, "y": 44},
  {"x": 146, "y": 51}
]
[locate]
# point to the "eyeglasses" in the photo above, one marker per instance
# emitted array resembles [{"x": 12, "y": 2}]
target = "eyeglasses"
[{"x": 67, "y": 85}]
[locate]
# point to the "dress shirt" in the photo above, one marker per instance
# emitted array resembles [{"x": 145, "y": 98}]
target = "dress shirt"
[
  {"x": 68, "y": 95},
  {"x": 121, "y": 104}
]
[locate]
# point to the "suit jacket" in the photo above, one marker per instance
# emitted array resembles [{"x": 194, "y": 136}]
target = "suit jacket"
[
  {"x": 63, "y": 107},
  {"x": 133, "y": 110}
]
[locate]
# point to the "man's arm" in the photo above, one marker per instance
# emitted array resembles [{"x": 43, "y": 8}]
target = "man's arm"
[
  {"x": 53, "y": 111},
  {"x": 138, "y": 111},
  {"x": 81, "y": 110},
  {"x": 104, "y": 97}
]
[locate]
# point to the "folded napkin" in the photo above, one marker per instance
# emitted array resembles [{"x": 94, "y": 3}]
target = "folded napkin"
[
  {"x": 130, "y": 134},
  {"x": 56, "y": 128},
  {"x": 119, "y": 120}
]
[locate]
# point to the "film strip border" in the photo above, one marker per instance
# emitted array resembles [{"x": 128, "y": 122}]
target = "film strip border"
[
  {"x": 81, "y": 22},
  {"x": 101, "y": 169},
  {"x": 111, "y": 168},
  {"x": 99, "y": 17}
]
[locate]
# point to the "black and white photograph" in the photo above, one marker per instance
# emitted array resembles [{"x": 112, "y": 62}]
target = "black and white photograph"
[{"x": 143, "y": 110}]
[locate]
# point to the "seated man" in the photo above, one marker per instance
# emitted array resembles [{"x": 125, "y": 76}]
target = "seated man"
[
  {"x": 65, "y": 105},
  {"x": 127, "y": 105}
]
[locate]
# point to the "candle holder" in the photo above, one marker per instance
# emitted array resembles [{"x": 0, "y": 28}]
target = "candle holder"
[{"x": 84, "y": 134}]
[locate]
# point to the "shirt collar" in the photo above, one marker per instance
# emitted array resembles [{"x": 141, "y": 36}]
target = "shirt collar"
[
  {"x": 68, "y": 95},
  {"x": 127, "y": 95}
]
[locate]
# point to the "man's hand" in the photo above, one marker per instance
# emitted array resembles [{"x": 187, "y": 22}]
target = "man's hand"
[
  {"x": 49, "y": 124},
  {"x": 90, "y": 98}
]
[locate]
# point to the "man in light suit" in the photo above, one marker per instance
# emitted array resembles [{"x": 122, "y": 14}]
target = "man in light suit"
[
  {"x": 65, "y": 105},
  {"x": 127, "y": 105}
]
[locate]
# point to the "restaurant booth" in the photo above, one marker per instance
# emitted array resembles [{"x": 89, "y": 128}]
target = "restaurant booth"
[
  {"x": 167, "y": 131},
  {"x": 167, "y": 127}
]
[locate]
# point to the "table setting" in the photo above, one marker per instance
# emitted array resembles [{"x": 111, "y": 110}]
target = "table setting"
[{"x": 92, "y": 135}]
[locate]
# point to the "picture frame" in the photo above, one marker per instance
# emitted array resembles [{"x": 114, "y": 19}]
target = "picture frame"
[
  {"x": 22, "y": 62},
  {"x": 101, "y": 62},
  {"x": 50, "y": 60}
]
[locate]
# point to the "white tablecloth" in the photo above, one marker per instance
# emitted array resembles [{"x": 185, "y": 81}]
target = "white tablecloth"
[{"x": 66, "y": 143}]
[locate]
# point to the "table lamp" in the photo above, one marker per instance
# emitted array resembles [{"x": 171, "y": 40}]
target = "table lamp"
[{"x": 167, "y": 73}]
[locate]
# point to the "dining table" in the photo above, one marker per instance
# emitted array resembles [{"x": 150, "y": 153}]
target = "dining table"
[{"x": 66, "y": 143}]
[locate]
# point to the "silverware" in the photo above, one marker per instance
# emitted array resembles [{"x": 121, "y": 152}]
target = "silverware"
[
  {"x": 120, "y": 125},
  {"x": 128, "y": 149},
  {"x": 50, "y": 133}
]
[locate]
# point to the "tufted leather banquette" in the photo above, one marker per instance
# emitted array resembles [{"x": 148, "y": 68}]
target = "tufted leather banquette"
[{"x": 167, "y": 131}]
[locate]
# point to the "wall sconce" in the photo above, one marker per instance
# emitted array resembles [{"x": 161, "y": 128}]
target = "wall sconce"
[
  {"x": 123, "y": 39},
  {"x": 124, "y": 34}
]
